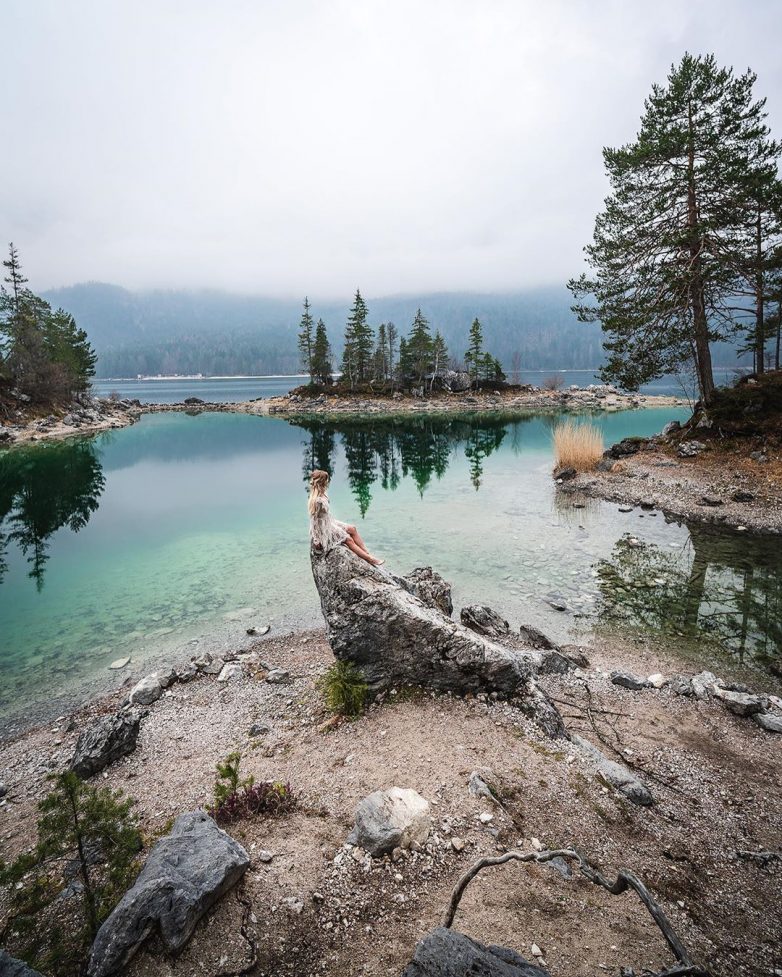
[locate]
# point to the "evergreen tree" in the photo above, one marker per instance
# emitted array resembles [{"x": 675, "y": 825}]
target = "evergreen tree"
[
  {"x": 321, "y": 356},
  {"x": 474, "y": 355},
  {"x": 666, "y": 248},
  {"x": 306, "y": 342},
  {"x": 392, "y": 338},
  {"x": 404, "y": 367},
  {"x": 439, "y": 355},
  {"x": 381, "y": 354},
  {"x": 420, "y": 346},
  {"x": 357, "y": 355},
  {"x": 68, "y": 345}
]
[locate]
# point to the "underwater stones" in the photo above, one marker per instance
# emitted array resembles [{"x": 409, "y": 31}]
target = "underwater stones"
[
  {"x": 103, "y": 742},
  {"x": 629, "y": 681},
  {"x": 119, "y": 663},
  {"x": 147, "y": 691},
  {"x": 394, "y": 637},
  {"x": 483, "y": 620},
  {"x": 185, "y": 874},
  {"x": 614, "y": 773},
  {"x": 389, "y": 819}
]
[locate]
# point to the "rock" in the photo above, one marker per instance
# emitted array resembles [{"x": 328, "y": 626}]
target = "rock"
[
  {"x": 192, "y": 400},
  {"x": 534, "y": 638},
  {"x": 769, "y": 722},
  {"x": 120, "y": 663},
  {"x": 3, "y": 790},
  {"x": 229, "y": 672},
  {"x": 394, "y": 638},
  {"x": 478, "y": 786},
  {"x": 458, "y": 843},
  {"x": 11, "y": 967},
  {"x": 258, "y": 729},
  {"x": 742, "y": 496},
  {"x": 265, "y": 856},
  {"x": 556, "y": 602},
  {"x": 616, "y": 775},
  {"x": 703, "y": 684},
  {"x": 625, "y": 447},
  {"x": 278, "y": 676},
  {"x": 429, "y": 587},
  {"x": 575, "y": 655},
  {"x": 625, "y": 508},
  {"x": 758, "y": 456},
  {"x": 689, "y": 449},
  {"x": 147, "y": 691},
  {"x": 565, "y": 474},
  {"x": 183, "y": 877},
  {"x": 629, "y": 681},
  {"x": 186, "y": 673},
  {"x": 208, "y": 665},
  {"x": 259, "y": 632},
  {"x": 740, "y": 703},
  {"x": 710, "y": 500},
  {"x": 294, "y": 904},
  {"x": 446, "y": 953},
  {"x": 483, "y": 620},
  {"x": 389, "y": 819},
  {"x": 167, "y": 677},
  {"x": 670, "y": 427},
  {"x": 657, "y": 681},
  {"x": 106, "y": 740}
]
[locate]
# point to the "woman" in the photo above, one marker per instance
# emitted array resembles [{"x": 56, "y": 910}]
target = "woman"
[{"x": 327, "y": 532}]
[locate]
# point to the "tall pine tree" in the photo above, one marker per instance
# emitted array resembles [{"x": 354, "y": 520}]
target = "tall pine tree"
[
  {"x": 357, "y": 355},
  {"x": 306, "y": 340},
  {"x": 666, "y": 247},
  {"x": 420, "y": 347},
  {"x": 473, "y": 358},
  {"x": 321, "y": 356}
]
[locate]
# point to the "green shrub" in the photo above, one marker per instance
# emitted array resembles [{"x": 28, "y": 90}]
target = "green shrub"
[
  {"x": 344, "y": 689},
  {"x": 236, "y": 798}
]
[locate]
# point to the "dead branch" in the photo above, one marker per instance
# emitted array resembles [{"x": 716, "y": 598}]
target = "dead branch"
[{"x": 624, "y": 880}]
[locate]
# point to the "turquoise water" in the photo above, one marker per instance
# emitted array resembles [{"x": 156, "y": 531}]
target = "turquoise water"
[{"x": 180, "y": 532}]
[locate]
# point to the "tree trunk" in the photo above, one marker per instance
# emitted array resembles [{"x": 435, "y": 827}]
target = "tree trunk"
[
  {"x": 779, "y": 332},
  {"x": 699, "y": 320},
  {"x": 760, "y": 337}
]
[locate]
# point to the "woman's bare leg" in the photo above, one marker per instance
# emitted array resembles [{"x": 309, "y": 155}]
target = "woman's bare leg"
[
  {"x": 353, "y": 546},
  {"x": 354, "y": 533}
]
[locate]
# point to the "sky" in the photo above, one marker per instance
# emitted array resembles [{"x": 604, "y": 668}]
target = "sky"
[{"x": 285, "y": 147}]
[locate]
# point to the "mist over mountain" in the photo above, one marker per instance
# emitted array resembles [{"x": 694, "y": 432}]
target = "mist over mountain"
[{"x": 221, "y": 333}]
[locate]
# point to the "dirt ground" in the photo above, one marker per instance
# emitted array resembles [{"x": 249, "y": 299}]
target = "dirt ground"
[
  {"x": 716, "y": 780},
  {"x": 659, "y": 478}
]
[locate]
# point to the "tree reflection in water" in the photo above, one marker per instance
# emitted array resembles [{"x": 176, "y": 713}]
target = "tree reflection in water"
[
  {"x": 724, "y": 586},
  {"x": 390, "y": 449},
  {"x": 43, "y": 489}
]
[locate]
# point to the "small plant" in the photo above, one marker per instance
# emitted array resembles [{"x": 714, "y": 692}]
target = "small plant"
[
  {"x": 344, "y": 689},
  {"x": 578, "y": 446},
  {"x": 554, "y": 382},
  {"x": 86, "y": 856},
  {"x": 236, "y": 798}
]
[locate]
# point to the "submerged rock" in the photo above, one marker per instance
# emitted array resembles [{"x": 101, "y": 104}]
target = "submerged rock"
[
  {"x": 106, "y": 740},
  {"x": 394, "y": 638},
  {"x": 446, "y": 953},
  {"x": 483, "y": 620},
  {"x": 389, "y": 819},
  {"x": 184, "y": 876}
]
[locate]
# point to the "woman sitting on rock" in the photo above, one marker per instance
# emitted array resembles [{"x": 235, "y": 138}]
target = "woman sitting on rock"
[{"x": 327, "y": 532}]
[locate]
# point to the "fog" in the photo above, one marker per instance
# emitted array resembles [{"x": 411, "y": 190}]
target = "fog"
[{"x": 290, "y": 147}]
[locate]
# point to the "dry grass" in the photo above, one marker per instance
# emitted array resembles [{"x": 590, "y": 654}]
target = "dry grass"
[{"x": 578, "y": 446}]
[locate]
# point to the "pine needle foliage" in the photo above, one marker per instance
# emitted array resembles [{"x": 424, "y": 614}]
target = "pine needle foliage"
[{"x": 344, "y": 689}]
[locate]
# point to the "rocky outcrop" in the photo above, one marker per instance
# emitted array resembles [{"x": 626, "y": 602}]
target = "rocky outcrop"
[
  {"x": 389, "y": 819},
  {"x": 446, "y": 953},
  {"x": 393, "y": 637},
  {"x": 483, "y": 620},
  {"x": 184, "y": 876},
  {"x": 106, "y": 740}
]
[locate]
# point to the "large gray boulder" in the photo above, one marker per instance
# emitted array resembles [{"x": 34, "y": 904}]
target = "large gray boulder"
[
  {"x": 184, "y": 876},
  {"x": 394, "y": 638},
  {"x": 446, "y": 953},
  {"x": 615, "y": 773},
  {"x": 106, "y": 740},
  {"x": 11, "y": 967},
  {"x": 389, "y": 819}
]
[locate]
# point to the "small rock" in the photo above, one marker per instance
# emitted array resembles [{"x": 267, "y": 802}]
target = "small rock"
[
  {"x": 294, "y": 904},
  {"x": 258, "y": 729},
  {"x": 565, "y": 474},
  {"x": 478, "y": 787},
  {"x": 710, "y": 500},
  {"x": 389, "y": 819},
  {"x": 186, "y": 673},
  {"x": 742, "y": 496},
  {"x": 120, "y": 663},
  {"x": 278, "y": 676},
  {"x": 536, "y": 951},
  {"x": 657, "y": 681},
  {"x": 691, "y": 448},
  {"x": 703, "y": 684},
  {"x": 229, "y": 672},
  {"x": 265, "y": 856},
  {"x": 147, "y": 691},
  {"x": 458, "y": 844},
  {"x": 485, "y": 817},
  {"x": 535, "y": 844},
  {"x": 680, "y": 685},
  {"x": 628, "y": 681},
  {"x": 625, "y": 508}
]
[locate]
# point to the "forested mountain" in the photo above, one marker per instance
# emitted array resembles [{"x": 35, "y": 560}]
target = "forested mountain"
[{"x": 218, "y": 333}]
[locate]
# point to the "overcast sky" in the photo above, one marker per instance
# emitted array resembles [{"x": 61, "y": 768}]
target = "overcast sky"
[{"x": 284, "y": 147}]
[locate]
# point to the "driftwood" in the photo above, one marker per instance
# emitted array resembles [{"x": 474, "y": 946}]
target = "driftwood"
[{"x": 624, "y": 880}]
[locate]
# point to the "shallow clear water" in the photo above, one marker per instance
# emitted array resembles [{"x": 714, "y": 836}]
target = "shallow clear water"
[
  {"x": 183, "y": 529},
  {"x": 226, "y": 389}
]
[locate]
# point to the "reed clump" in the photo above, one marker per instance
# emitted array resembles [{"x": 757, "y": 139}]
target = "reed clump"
[{"x": 577, "y": 445}]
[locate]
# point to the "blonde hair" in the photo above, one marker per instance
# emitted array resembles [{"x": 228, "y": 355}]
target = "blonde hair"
[{"x": 319, "y": 481}]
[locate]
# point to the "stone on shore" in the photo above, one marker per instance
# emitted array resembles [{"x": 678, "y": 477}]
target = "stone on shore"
[
  {"x": 429, "y": 587},
  {"x": 629, "y": 681},
  {"x": 183, "y": 877},
  {"x": 446, "y": 953},
  {"x": 534, "y": 638},
  {"x": 616, "y": 775},
  {"x": 106, "y": 740},
  {"x": 147, "y": 691},
  {"x": 483, "y": 620},
  {"x": 394, "y": 638},
  {"x": 389, "y": 819},
  {"x": 11, "y": 967},
  {"x": 740, "y": 703},
  {"x": 768, "y": 721},
  {"x": 703, "y": 684}
]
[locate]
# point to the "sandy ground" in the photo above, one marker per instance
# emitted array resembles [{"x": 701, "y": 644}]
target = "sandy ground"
[
  {"x": 659, "y": 479},
  {"x": 716, "y": 779}
]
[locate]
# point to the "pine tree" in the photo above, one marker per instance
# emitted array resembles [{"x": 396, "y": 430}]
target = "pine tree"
[
  {"x": 420, "y": 347},
  {"x": 321, "y": 356},
  {"x": 381, "y": 354},
  {"x": 14, "y": 278},
  {"x": 404, "y": 366},
  {"x": 357, "y": 356},
  {"x": 439, "y": 355},
  {"x": 392, "y": 338},
  {"x": 69, "y": 346},
  {"x": 473, "y": 358},
  {"x": 667, "y": 247},
  {"x": 306, "y": 339}
]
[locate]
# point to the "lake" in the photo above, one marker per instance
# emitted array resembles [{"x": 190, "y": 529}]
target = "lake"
[
  {"x": 176, "y": 534},
  {"x": 171, "y": 390}
]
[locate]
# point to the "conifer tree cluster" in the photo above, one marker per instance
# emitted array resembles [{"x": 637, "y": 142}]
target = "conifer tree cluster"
[
  {"x": 688, "y": 250},
  {"x": 43, "y": 353},
  {"x": 314, "y": 348}
]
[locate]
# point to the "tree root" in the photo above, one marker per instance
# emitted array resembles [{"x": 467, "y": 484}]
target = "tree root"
[{"x": 624, "y": 880}]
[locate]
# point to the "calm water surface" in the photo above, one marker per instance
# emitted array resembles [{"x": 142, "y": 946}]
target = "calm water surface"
[{"x": 180, "y": 532}]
